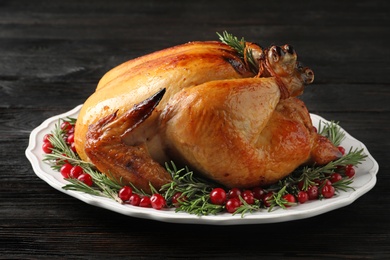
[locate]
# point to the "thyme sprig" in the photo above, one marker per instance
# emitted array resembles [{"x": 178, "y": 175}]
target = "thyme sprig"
[{"x": 240, "y": 46}]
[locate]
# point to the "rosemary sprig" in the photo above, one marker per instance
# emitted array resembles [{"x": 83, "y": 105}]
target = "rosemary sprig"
[
  {"x": 62, "y": 153},
  {"x": 278, "y": 200},
  {"x": 194, "y": 191},
  {"x": 241, "y": 48},
  {"x": 246, "y": 208},
  {"x": 309, "y": 174},
  {"x": 332, "y": 131}
]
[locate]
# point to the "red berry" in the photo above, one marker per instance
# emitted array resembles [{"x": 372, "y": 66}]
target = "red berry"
[
  {"x": 312, "y": 191},
  {"x": 302, "y": 197},
  {"x": 76, "y": 171},
  {"x": 46, "y": 138},
  {"x": 325, "y": 182},
  {"x": 290, "y": 200},
  {"x": 65, "y": 161},
  {"x": 232, "y": 205},
  {"x": 65, "y": 170},
  {"x": 70, "y": 139},
  {"x": 258, "y": 193},
  {"x": 66, "y": 126},
  {"x": 300, "y": 185},
  {"x": 125, "y": 193},
  {"x": 341, "y": 149},
  {"x": 157, "y": 201},
  {"x": 248, "y": 196},
  {"x": 86, "y": 178},
  {"x": 145, "y": 202},
  {"x": 47, "y": 147},
  {"x": 327, "y": 191},
  {"x": 218, "y": 196},
  {"x": 134, "y": 199},
  {"x": 178, "y": 198},
  {"x": 349, "y": 171},
  {"x": 234, "y": 193},
  {"x": 335, "y": 177},
  {"x": 73, "y": 147},
  {"x": 71, "y": 130},
  {"x": 267, "y": 199}
]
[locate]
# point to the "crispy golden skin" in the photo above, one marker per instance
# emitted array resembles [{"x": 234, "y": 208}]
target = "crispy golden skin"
[
  {"x": 239, "y": 133},
  {"x": 199, "y": 103}
]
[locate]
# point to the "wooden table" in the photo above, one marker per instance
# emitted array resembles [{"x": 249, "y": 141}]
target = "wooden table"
[{"x": 52, "y": 54}]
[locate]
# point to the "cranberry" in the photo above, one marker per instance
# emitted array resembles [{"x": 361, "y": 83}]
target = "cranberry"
[
  {"x": 327, "y": 191},
  {"x": 335, "y": 177},
  {"x": 134, "y": 199},
  {"x": 312, "y": 191},
  {"x": 325, "y": 182},
  {"x": 125, "y": 193},
  {"x": 59, "y": 160},
  {"x": 46, "y": 138},
  {"x": 65, "y": 170},
  {"x": 145, "y": 202},
  {"x": 70, "y": 139},
  {"x": 76, "y": 171},
  {"x": 86, "y": 178},
  {"x": 66, "y": 126},
  {"x": 218, "y": 196},
  {"x": 290, "y": 199},
  {"x": 267, "y": 199},
  {"x": 300, "y": 185},
  {"x": 73, "y": 147},
  {"x": 234, "y": 193},
  {"x": 302, "y": 197},
  {"x": 341, "y": 149},
  {"x": 248, "y": 196},
  {"x": 178, "y": 198},
  {"x": 157, "y": 201},
  {"x": 232, "y": 205},
  {"x": 47, "y": 147},
  {"x": 349, "y": 171},
  {"x": 258, "y": 193}
]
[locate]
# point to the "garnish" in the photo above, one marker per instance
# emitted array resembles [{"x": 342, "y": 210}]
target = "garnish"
[
  {"x": 194, "y": 195},
  {"x": 332, "y": 131},
  {"x": 194, "y": 192},
  {"x": 241, "y": 47}
]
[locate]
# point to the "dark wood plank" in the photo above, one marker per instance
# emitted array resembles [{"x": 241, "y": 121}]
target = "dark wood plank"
[{"x": 53, "y": 53}]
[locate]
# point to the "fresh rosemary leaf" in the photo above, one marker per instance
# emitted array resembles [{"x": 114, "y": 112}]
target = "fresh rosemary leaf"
[
  {"x": 195, "y": 191},
  {"x": 246, "y": 208},
  {"x": 240, "y": 47},
  {"x": 332, "y": 131}
]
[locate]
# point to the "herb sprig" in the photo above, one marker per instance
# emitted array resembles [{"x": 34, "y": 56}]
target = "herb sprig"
[
  {"x": 240, "y": 46},
  {"x": 195, "y": 191}
]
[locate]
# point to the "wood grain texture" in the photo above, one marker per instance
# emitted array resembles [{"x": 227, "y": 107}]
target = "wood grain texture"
[{"x": 52, "y": 54}]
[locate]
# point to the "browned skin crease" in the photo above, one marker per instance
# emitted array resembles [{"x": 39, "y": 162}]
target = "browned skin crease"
[
  {"x": 120, "y": 147},
  {"x": 106, "y": 149},
  {"x": 322, "y": 150}
]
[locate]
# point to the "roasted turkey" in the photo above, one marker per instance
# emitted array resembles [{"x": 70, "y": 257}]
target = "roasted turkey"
[{"x": 204, "y": 105}]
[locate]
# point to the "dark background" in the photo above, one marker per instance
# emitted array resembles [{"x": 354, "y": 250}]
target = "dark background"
[{"x": 52, "y": 54}]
